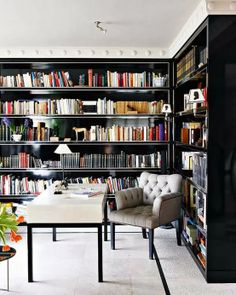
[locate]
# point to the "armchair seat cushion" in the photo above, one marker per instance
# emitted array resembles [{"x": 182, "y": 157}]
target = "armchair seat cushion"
[{"x": 137, "y": 216}]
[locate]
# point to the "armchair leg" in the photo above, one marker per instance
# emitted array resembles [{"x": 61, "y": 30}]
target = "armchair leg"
[
  {"x": 178, "y": 227},
  {"x": 151, "y": 239},
  {"x": 144, "y": 233},
  {"x": 112, "y": 229}
]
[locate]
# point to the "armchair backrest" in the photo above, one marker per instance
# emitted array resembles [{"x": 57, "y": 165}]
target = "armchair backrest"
[{"x": 155, "y": 185}]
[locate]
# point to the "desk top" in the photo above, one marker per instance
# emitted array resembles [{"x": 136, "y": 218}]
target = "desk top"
[{"x": 68, "y": 207}]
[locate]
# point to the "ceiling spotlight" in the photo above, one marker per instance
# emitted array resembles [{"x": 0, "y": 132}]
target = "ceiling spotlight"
[{"x": 98, "y": 25}]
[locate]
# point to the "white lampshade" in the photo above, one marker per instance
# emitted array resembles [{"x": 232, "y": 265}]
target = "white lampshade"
[
  {"x": 166, "y": 109},
  {"x": 62, "y": 149}
]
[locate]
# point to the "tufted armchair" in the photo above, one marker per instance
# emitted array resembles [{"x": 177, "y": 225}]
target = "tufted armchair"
[{"x": 157, "y": 201}]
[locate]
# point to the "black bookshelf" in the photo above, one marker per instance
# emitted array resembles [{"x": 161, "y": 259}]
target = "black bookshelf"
[
  {"x": 217, "y": 74},
  {"x": 44, "y": 149}
]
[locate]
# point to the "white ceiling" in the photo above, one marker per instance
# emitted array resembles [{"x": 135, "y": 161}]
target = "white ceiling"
[{"x": 60, "y": 23}]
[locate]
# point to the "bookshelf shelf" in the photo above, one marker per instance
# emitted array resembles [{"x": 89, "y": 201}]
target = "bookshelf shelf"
[
  {"x": 86, "y": 116},
  {"x": 198, "y": 111},
  {"x": 76, "y": 89},
  {"x": 161, "y": 143},
  {"x": 190, "y": 146},
  {"x": 199, "y": 73},
  {"x": 128, "y": 169}
]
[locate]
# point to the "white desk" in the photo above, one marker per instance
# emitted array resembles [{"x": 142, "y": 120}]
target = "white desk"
[{"x": 66, "y": 210}]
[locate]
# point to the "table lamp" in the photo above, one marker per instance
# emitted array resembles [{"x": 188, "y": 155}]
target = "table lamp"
[{"x": 62, "y": 150}]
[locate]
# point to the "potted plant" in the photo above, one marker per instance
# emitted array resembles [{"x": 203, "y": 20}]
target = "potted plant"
[
  {"x": 17, "y": 131},
  {"x": 9, "y": 222}
]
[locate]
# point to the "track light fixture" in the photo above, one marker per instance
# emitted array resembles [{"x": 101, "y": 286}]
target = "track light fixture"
[{"x": 98, "y": 25}]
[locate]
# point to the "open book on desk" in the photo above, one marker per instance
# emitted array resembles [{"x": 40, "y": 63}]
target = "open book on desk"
[{"x": 85, "y": 194}]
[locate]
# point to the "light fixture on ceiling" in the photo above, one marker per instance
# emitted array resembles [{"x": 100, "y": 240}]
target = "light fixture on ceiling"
[{"x": 98, "y": 25}]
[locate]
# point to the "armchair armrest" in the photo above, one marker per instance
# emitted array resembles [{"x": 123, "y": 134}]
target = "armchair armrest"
[
  {"x": 129, "y": 198},
  {"x": 167, "y": 207}
]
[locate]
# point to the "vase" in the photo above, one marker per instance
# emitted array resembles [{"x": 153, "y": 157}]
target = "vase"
[
  {"x": 16, "y": 137},
  {"x": 4, "y": 255}
]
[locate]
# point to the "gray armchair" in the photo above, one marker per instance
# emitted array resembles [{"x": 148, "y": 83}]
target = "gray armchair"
[{"x": 156, "y": 202}]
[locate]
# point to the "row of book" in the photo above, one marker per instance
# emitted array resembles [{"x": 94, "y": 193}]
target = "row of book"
[
  {"x": 91, "y": 79},
  {"x": 195, "y": 201},
  {"x": 69, "y": 106},
  {"x": 122, "y": 160},
  {"x": 114, "y": 184},
  {"x": 37, "y": 79},
  {"x": 11, "y": 185},
  {"x": 76, "y": 160},
  {"x": 21, "y": 160},
  {"x": 197, "y": 162},
  {"x": 187, "y": 160},
  {"x": 195, "y": 238},
  {"x": 138, "y": 107},
  {"x": 200, "y": 169},
  {"x": 95, "y": 133},
  {"x": 42, "y": 107},
  {"x": 192, "y": 133},
  {"x": 125, "y": 79},
  {"x": 186, "y": 65},
  {"x": 131, "y": 133}
]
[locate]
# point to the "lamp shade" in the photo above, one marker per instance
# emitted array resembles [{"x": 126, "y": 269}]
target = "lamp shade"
[{"x": 62, "y": 149}]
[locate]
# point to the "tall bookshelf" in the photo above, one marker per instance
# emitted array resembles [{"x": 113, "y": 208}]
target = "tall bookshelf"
[
  {"x": 204, "y": 145},
  {"x": 116, "y": 103}
]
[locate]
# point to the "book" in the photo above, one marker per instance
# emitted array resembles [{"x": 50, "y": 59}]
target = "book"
[{"x": 85, "y": 194}]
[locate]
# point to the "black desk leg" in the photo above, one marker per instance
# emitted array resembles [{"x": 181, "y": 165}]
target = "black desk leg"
[
  {"x": 100, "y": 271},
  {"x": 105, "y": 221},
  {"x": 30, "y": 253},
  {"x": 54, "y": 234}
]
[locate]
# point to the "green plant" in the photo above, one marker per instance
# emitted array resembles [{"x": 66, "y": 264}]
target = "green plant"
[
  {"x": 9, "y": 221},
  {"x": 17, "y": 129}
]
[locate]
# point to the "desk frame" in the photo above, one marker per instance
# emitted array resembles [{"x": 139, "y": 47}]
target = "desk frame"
[{"x": 30, "y": 227}]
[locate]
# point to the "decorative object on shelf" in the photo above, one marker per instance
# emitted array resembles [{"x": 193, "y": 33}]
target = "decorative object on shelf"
[
  {"x": 16, "y": 137},
  {"x": 62, "y": 150},
  {"x": 196, "y": 96},
  {"x": 159, "y": 80},
  {"x": 166, "y": 109},
  {"x": 98, "y": 25},
  {"x": 78, "y": 130}
]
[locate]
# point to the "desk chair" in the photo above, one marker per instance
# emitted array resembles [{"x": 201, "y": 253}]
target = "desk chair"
[{"x": 156, "y": 202}]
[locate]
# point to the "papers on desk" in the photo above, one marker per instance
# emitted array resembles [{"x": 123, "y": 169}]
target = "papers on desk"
[{"x": 85, "y": 194}]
